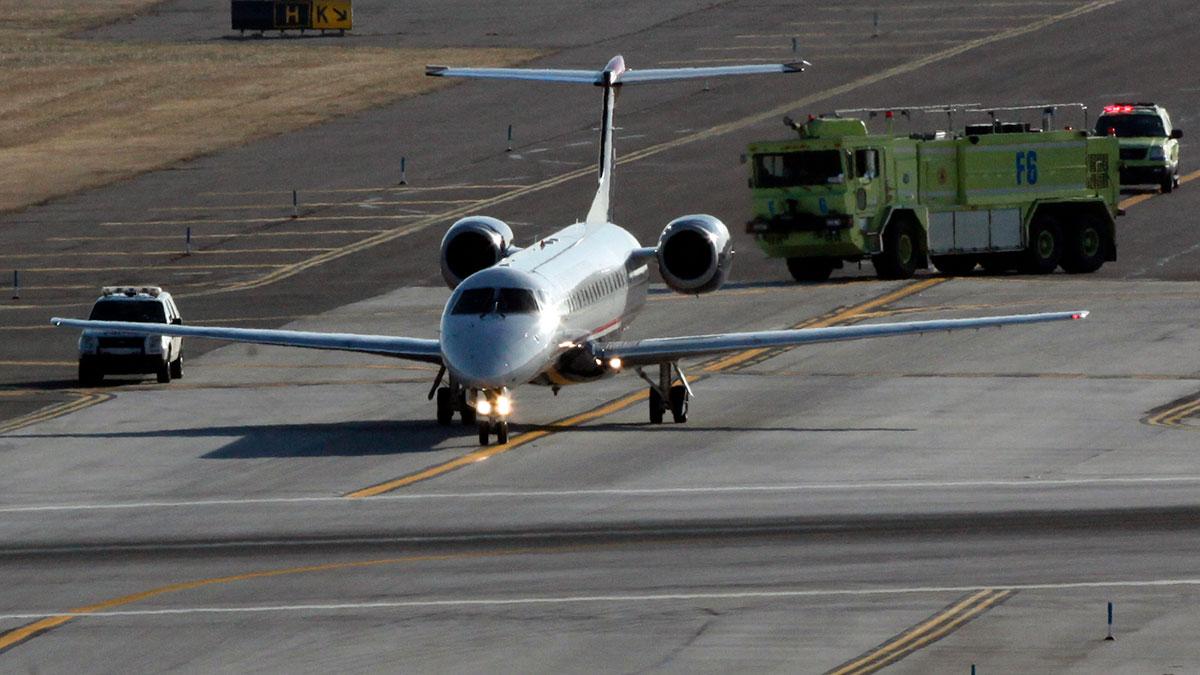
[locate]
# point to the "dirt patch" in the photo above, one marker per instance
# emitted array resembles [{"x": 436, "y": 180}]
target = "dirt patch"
[{"x": 82, "y": 113}]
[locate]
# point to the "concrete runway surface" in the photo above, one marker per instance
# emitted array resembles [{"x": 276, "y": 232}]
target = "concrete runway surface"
[{"x": 919, "y": 504}]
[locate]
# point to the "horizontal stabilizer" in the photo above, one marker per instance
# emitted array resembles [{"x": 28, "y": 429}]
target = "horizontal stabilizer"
[{"x": 596, "y": 77}]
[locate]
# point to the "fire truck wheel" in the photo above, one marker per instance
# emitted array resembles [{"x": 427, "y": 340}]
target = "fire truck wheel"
[
  {"x": 1045, "y": 246},
  {"x": 954, "y": 265},
  {"x": 810, "y": 269},
  {"x": 901, "y": 251},
  {"x": 1085, "y": 247}
]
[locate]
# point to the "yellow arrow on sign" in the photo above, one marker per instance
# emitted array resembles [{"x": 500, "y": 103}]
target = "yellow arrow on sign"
[{"x": 332, "y": 15}]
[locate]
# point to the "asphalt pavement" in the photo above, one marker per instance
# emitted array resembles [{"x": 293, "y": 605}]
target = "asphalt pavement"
[{"x": 920, "y": 503}]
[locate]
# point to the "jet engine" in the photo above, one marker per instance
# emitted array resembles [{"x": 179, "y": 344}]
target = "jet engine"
[
  {"x": 473, "y": 244},
  {"x": 695, "y": 254}
]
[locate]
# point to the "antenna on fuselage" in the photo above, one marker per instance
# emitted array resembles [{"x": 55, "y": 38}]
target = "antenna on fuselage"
[{"x": 614, "y": 75}]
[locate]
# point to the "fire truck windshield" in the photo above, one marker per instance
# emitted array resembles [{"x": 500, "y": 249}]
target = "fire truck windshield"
[{"x": 810, "y": 167}]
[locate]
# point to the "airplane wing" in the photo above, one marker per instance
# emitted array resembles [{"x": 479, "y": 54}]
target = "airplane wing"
[
  {"x": 625, "y": 76},
  {"x": 413, "y": 349},
  {"x": 659, "y": 350}
]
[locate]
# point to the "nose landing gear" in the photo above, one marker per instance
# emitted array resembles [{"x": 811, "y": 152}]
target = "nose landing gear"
[{"x": 493, "y": 407}]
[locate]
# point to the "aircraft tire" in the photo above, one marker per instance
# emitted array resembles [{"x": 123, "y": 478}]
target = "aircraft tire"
[
  {"x": 679, "y": 403},
  {"x": 656, "y": 407},
  {"x": 501, "y": 432},
  {"x": 485, "y": 432},
  {"x": 445, "y": 407},
  {"x": 467, "y": 411}
]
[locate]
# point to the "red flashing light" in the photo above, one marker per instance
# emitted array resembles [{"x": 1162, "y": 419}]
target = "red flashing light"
[
  {"x": 1112, "y": 131},
  {"x": 1118, "y": 109},
  {"x": 889, "y": 114}
]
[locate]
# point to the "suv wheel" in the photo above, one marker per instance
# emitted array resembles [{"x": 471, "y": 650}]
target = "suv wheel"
[
  {"x": 177, "y": 367},
  {"x": 164, "y": 372},
  {"x": 89, "y": 375}
]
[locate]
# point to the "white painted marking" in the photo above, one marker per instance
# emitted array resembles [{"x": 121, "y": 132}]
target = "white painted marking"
[
  {"x": 614, "y": 598},
  {"x": 628, "y": 492}
]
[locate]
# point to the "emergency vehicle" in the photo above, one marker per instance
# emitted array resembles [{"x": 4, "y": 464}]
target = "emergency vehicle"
[
  {"x": 1000, "y": 194},
  {"x": 1149, "y": 144},
  {"x": 104, "y": 352}
]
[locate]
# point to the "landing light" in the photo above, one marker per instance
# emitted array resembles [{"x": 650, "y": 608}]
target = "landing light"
[
  {"x": 503, "y": 406},
  {"x": 483, "y": 406},
  {"x": 615, "y": 363}
]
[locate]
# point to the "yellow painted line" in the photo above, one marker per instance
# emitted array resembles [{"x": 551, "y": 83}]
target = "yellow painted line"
[
  {"x": 924, "y": 633},
  {"x": 836, "y": 317},
  {"x": 246, "y": 221},
  {"x": 617, "y": 404},
  {"x": 86, "y": 399},
  {"x": 226, "y": 235},
  {"x": 1175, "y": 415},
  {"x": 127, "y": 254},
  {"x": 942, "y": 18},
  {"x": 229, "y": 266},
  {"x": 385, "y": 188},
  {"x": 491, "y": 451},
  {"x": 38, "y": 363},
  {"x": 952, "y": 625},
  {"x": 14, "y": 637},
  {"x": 288, "y": 207},
  {"x": 736, "y": 125}
]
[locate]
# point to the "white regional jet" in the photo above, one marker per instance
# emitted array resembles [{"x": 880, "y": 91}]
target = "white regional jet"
[{"x": 548, "y": 314}]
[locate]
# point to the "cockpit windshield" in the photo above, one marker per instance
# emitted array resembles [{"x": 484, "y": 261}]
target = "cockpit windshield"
[
  {"x": 516, "y": 301},
  {"x": 493, "y": 300}
]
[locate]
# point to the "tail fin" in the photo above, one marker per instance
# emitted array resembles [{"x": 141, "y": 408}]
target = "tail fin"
[{"x": 611, "y": 78}]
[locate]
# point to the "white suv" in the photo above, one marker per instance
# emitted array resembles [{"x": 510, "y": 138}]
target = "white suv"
[{"x": 103, "y": 352}]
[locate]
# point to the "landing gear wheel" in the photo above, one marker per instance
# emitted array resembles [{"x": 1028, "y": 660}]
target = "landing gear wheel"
[
  {"x": 177, "y": 367},
  {"x": 485, "y": 432},
  {"x": 164, "y": 372},
  {"x": 954, "y": 265},
  {"x": 445, "y": 406},
  {"x": 468, "y": 411},
  {"x": 1045, "y": 246},
  {"x": 1085, "y": 247},
  {"x": 810, "y": 269},
  {"x": 502, "y": 432},
  {"x": 89, "y": 375},
  {"x": 901, "y": 251},
  {"x": 679, "y": 403},
  {"x": 657, "y": 408}
]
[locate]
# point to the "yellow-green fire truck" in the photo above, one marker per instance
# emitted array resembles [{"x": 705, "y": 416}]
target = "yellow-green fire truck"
[{"x": 1000, "y": 195}]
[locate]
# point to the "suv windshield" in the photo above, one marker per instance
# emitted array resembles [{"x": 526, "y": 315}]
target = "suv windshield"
[
  {"x": 139, "y": 311},
  {"x": 813, "y": 167},
  {"x": 1131, "y": 126},
  {"x": 503, "y": 301}
]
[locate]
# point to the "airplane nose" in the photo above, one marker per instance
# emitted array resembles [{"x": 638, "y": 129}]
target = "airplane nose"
[{"x": 492, "y": 352}]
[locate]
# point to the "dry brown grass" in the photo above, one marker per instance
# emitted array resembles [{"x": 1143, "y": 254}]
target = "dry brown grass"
[{"x": 82, "y": 113}]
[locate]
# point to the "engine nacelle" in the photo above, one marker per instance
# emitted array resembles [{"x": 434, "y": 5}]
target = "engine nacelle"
[
  {"x": 695, "y": 254},
  {"x": 473, "y": 244}
]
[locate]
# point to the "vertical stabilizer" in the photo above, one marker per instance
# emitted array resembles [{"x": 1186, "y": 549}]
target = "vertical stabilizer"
[
  {"x": 601, "y": 211},
  {"x": 612, "y": 78}
]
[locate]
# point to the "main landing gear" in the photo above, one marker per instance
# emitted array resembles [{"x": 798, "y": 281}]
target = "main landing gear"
[
  {"x": 667, "y": 396},
  {"x": 451, "y": 399}
]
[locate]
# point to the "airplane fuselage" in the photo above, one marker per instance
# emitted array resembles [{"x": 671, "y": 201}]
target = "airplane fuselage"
[{"x": 580, "y": 285}]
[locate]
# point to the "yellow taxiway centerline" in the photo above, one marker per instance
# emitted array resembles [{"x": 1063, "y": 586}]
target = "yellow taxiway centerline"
[{"x": 622, "y": 402}]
